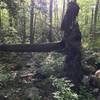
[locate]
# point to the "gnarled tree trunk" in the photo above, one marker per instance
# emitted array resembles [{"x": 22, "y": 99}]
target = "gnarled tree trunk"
[{"x": 72, "y": 41}]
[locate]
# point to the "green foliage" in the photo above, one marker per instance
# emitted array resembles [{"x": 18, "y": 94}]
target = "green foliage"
[
  {"x": 19, "y": 10},
  {"x": 53, "y": 62},
  {"x": 90, "y": 55},
  {"x": 85, "y": 94},
  {"x": 64, "y": 91}
]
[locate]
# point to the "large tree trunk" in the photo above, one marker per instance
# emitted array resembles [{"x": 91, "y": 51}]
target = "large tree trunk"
[{"x": 72, "y": 41}]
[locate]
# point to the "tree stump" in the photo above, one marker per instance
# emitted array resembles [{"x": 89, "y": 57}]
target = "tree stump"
[{"x": 72, "y": 43}]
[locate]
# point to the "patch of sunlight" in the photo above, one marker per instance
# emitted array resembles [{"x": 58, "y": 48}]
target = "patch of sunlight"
[{"x": 85, "y": 45}]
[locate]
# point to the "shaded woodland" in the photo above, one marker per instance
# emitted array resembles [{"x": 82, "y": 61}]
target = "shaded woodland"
[{"x": 49, "y": 50}]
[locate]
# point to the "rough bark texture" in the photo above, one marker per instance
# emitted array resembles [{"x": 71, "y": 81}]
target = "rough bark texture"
[
  {"x": 47, "y": 47},
  {"x": 72, "y": 41}
]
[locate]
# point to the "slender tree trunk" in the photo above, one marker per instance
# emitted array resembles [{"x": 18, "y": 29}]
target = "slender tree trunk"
[
  {"x": 67, "y": 1},
  {"x": 63, "y": 12},
  {"x": 24, "y": 25},
  {"x": 0, "y": 17},
  {"x": 56, "y": 12},
  {"x": 91, "y": 27},
  {"x": 95, "y": 17},
  {"x": 31, "y": 22},
  {"x": 34, "y": 27},
  {"x": 20, "y": 21},
  {"x": 10, "y": 23},
  {"x": 51, "y": 15},
  {"x": 1, "y": 30}
]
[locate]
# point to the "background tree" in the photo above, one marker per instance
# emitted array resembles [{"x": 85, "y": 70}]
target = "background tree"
[{"x": 31, "y": 22}]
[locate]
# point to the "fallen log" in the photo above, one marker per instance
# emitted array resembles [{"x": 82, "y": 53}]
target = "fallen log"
[{"x": 46, "y": 47}]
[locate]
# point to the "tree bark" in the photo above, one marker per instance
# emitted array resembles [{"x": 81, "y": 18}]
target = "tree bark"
[
  {"x": 72, "y": 42},
  {"x": 31, "y": 22},
  {"x": 51, "y": 15},
  {"x": 47, "y": 47},
  {"x": 91, "y": 26},
  {"x": 24, "y": 24},
  {"x": 63, "y": 12}
]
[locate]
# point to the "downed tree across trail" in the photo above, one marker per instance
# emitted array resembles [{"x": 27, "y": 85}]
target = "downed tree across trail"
[{"x": 46, "y": 47}]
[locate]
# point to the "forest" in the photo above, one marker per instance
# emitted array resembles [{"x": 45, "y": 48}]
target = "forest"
[{"x": 49, "y": 49}]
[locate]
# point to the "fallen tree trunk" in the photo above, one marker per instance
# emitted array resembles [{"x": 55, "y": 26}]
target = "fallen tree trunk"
[{"x": 47, "y": 47}]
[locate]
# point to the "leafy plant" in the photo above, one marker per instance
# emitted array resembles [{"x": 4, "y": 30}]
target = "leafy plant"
[
  {"x": 64, "y": 91},
  {"x": 85, "y": 94}
]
